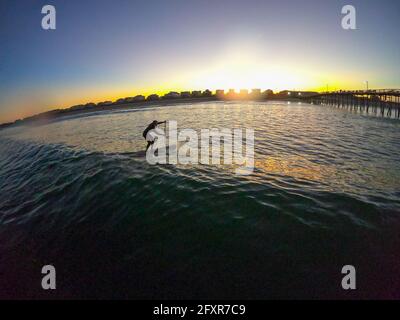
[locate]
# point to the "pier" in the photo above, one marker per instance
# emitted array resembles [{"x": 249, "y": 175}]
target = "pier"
[{"x": 385, "y": 102}]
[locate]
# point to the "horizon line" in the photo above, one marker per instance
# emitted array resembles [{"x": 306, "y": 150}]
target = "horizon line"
[{"x": 180, "y": 94}]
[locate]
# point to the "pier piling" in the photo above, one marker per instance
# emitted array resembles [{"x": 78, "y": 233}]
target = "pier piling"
[{"x": 383, "y": 101}]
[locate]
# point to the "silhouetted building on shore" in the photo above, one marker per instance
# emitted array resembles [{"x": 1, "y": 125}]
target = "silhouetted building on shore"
[
  {"x": 172, "y": 95},
  {"x": 153, "y": 97},
  {"x": 231, "y": 94},
  {"x": 256, "y": 94},
  {"x": 220, "y": 94},
  {"x": 207, "y": 93},
  {"x": 138, "y": 98},
  {"x": 119, "y": 101},
  {"x": 268, "y": 94},
  {"x": 196, "y": 94},
  {"x": 104, "y": 103},
  {"x": 185, "y": 94}
]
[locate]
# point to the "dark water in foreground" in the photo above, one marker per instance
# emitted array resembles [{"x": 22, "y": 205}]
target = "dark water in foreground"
[{"x": 325, "y": 193}]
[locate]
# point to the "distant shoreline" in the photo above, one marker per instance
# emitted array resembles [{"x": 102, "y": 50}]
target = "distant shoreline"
[
  {"x": 55, "y": 114},
  {"x": 60, "y": 113}
]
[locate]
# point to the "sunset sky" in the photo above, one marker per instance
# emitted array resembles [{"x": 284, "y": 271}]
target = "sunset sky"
[{"x": 103, "y": 50}]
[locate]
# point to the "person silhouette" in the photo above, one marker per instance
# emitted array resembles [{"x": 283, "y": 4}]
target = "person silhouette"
[{"x": 150, "y": 138}]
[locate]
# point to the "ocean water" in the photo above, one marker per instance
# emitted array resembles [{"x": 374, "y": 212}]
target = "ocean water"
[{"x": 78, "y": 194}]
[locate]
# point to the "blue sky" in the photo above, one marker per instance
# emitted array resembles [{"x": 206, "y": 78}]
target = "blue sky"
[{"x": 107, "y": 49}]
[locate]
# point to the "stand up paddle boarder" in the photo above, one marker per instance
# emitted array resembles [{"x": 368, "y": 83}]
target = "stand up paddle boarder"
[{"x": 149, "y": 138}]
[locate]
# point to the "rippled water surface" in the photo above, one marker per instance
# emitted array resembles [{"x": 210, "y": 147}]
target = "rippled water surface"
[{"x": 78, "y": 193}]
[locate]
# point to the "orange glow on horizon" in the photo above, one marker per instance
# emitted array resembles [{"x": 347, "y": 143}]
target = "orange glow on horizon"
[{"x": 28, "y": 106}]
